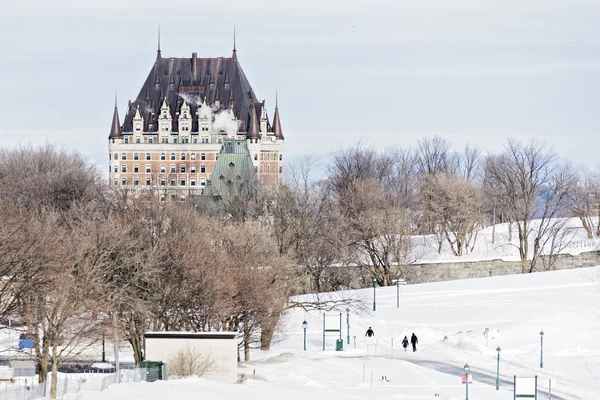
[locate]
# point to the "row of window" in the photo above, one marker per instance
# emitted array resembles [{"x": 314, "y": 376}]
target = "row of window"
[
  {"x": 269, "y": 157},
  {"x": 163, "y": 156},
  {"x": 270, "y": 170},
  {"x": 163, "y": 169},
  {"x": 165, "y": 139},
  {"x": 163, "y": 182}
]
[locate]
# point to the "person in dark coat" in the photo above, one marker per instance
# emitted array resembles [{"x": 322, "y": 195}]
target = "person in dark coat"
[
  {"x": 370, "y": 332},
  {"x": 414, "y": 341},
  {"x": 405, "y": 343}
]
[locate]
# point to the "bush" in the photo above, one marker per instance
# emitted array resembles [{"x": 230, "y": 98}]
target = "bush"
[{"x": 189, "y": 362}]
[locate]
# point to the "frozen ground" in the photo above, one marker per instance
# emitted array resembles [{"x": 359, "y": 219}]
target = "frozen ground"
[{"x": 450, "y": 319}]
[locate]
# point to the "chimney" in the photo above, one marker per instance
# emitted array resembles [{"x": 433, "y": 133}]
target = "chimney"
[{"x": 194, "y": 64}]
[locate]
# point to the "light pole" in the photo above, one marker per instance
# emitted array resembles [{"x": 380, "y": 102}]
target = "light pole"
[
  {"x": 467, "y": 370},
  {"x": 103, "y": 349},
  {"x": 348, "y": 323},
  {"x": 397, "y": 281},
  {"x": 374, "y": 287},
  {"x": 304, "y": 326},
  {"x": 498, "y": 369},
  {"x": 542, "y": 349}
]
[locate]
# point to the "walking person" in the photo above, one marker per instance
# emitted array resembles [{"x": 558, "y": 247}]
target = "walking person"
[
  {"x": 405, "y": 343},
  {"x": 370, "y": 333},
  {"x": 414, "y": 340}
]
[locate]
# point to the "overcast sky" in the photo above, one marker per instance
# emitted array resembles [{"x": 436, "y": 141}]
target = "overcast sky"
[{"x": 389, "y": 72}]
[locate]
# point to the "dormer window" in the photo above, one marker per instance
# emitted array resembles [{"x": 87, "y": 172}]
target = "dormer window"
[
  {"x": 137, "y": 127},
  {"x": 226, "y": 85}
]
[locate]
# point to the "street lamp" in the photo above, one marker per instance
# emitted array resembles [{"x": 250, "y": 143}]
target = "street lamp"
[
  {"x": 304, "y": 326},
  {"x": 498, "y": 369},
  {"x": 374, "y": 286},
  {"x": 542, "y": 349},
  {"x": 397, "y": 282},
  {"x": 467, "y": 370},
  {"x": 348, "y": 323}
]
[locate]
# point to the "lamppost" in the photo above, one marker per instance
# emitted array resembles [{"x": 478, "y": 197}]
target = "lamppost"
[
  {"x": 103, "y": 349},
  {"x": 542, "y": 349},
  {"x": 467, "y": 370},
  {"x": 348, "y": 323},
  {"x": 304, "y": 326},
  {"x": 397, "y": 282},
  {"x": 374, "y": 286},
  {"x": 498, "y": 369}
]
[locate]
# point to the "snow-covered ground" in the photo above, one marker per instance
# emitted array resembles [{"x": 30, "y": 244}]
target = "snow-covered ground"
[
  {"x": 450, "y": 319},
  {"x": 573, "y": 241}
]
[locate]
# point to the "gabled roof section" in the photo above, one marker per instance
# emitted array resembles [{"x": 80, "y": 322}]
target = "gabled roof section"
[{"x": 218, "y": 80}]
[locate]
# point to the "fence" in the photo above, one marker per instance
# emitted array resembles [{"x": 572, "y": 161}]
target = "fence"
[{"x": 29, "y": 389}]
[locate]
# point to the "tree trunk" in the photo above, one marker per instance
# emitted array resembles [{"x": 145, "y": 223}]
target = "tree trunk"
[
  {"x": 267, "y": 332},
  {"x": 54, "y": 377},
  {"x": 246, "y": 343}
]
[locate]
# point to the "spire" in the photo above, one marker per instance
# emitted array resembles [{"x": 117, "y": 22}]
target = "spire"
[
  {"x": 158, "y": 55},
  {"x": 253, "y": 129},
  {"x": 277, "y": 122},
  {"x": 234, "y": 55},
  {"x": 115, "y": 128}
]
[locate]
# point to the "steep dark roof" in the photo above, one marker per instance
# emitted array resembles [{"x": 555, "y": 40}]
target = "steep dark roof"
[
  {"x": 193, "y": 79},
  {"x": 115, "y": 128},
  {"x": 277, "y": 124}
]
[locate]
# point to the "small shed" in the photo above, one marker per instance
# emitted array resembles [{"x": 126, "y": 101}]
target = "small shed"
[
  {"x": 218, "y": 347},
  {"x": 23, "y": 368}
]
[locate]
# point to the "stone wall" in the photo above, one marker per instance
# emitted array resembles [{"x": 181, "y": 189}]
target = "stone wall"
[{"x": 422, "y": 273}]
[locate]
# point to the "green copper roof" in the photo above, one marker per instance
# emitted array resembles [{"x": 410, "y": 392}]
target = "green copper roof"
[{"x": 233, "y": 171}]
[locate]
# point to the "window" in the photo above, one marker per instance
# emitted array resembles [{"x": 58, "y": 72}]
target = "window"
[
  {"x": 147, "y": 156},
  {"x": 203, "y": 156},
  {"x": 185, "y": 139},
  {"x": 136, "y": 181},
  {"x": 220, "y": 139},
  {"x": 175, "y": 140},
  {"x": 150, "y": 140},
  {"x": 268, "y": 169},
  {"x": 135, "y": 156},
  {"x": 256, "y": 157},
  {"x": 163, "y": 169},
  {"x": 262, "y": 156},
  {"x": 115, "y": 156},
  {"x": 126, "y": 139},
  {"x": 280, "y": 157},
  {"x": 115, "y": 182},
  {"x": 203, "y": 168},
  {"x": 116, "y": 169},
  {"x": 193, "y": 156},
  {"x": 202, "y": 182},
  {"x": 204, "y": 139},
  {"x": 147, "y": 181},
  {"x": 124, "y": 156},
  {"x": 124, "y": 181},
  {"x": 172, "y": 181},
  {"x": 183, "y": 156},
  {"x": 182, "y": 182},
  {"x": 261, "y": 169},
  {"x": 195, "y": 140},
  {"x": 165, "y": 139},
  {"x": 172, "y": 156},
  {"x": 192, "y": 182},
  {"x": 148, "y": 169},
  {"x": 173, "y": 170},
  {"x": 182, "y": 168},
  {"x": 123, "y": 168},
  {"x": 163, "y": 182},
  {"x": 193, "y": 169},
  {"x": 136, "y": 168},
  {"x": 163, "y": 156},
  {"x": 280, "y": 169},
  {"x": 137, "y": 139}
]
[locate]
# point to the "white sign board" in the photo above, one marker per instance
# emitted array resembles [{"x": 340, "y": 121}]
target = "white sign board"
[{"x": 525, "y": 387}]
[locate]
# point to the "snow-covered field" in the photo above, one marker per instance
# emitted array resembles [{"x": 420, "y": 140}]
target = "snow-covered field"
[
  {"x": 450, "y": 319},
  {"x": 573, "y": 241}
]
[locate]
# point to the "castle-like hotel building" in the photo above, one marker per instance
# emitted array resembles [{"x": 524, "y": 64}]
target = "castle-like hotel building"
[{"x": 187, "y": 109}]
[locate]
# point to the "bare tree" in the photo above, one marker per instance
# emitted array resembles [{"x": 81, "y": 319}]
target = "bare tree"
[
  {"x": 434, "y": 155},
  {"x": 535, "y": 185},
  {"x": 455, "y": 205},
  {"x": 585, "y": 202}
]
